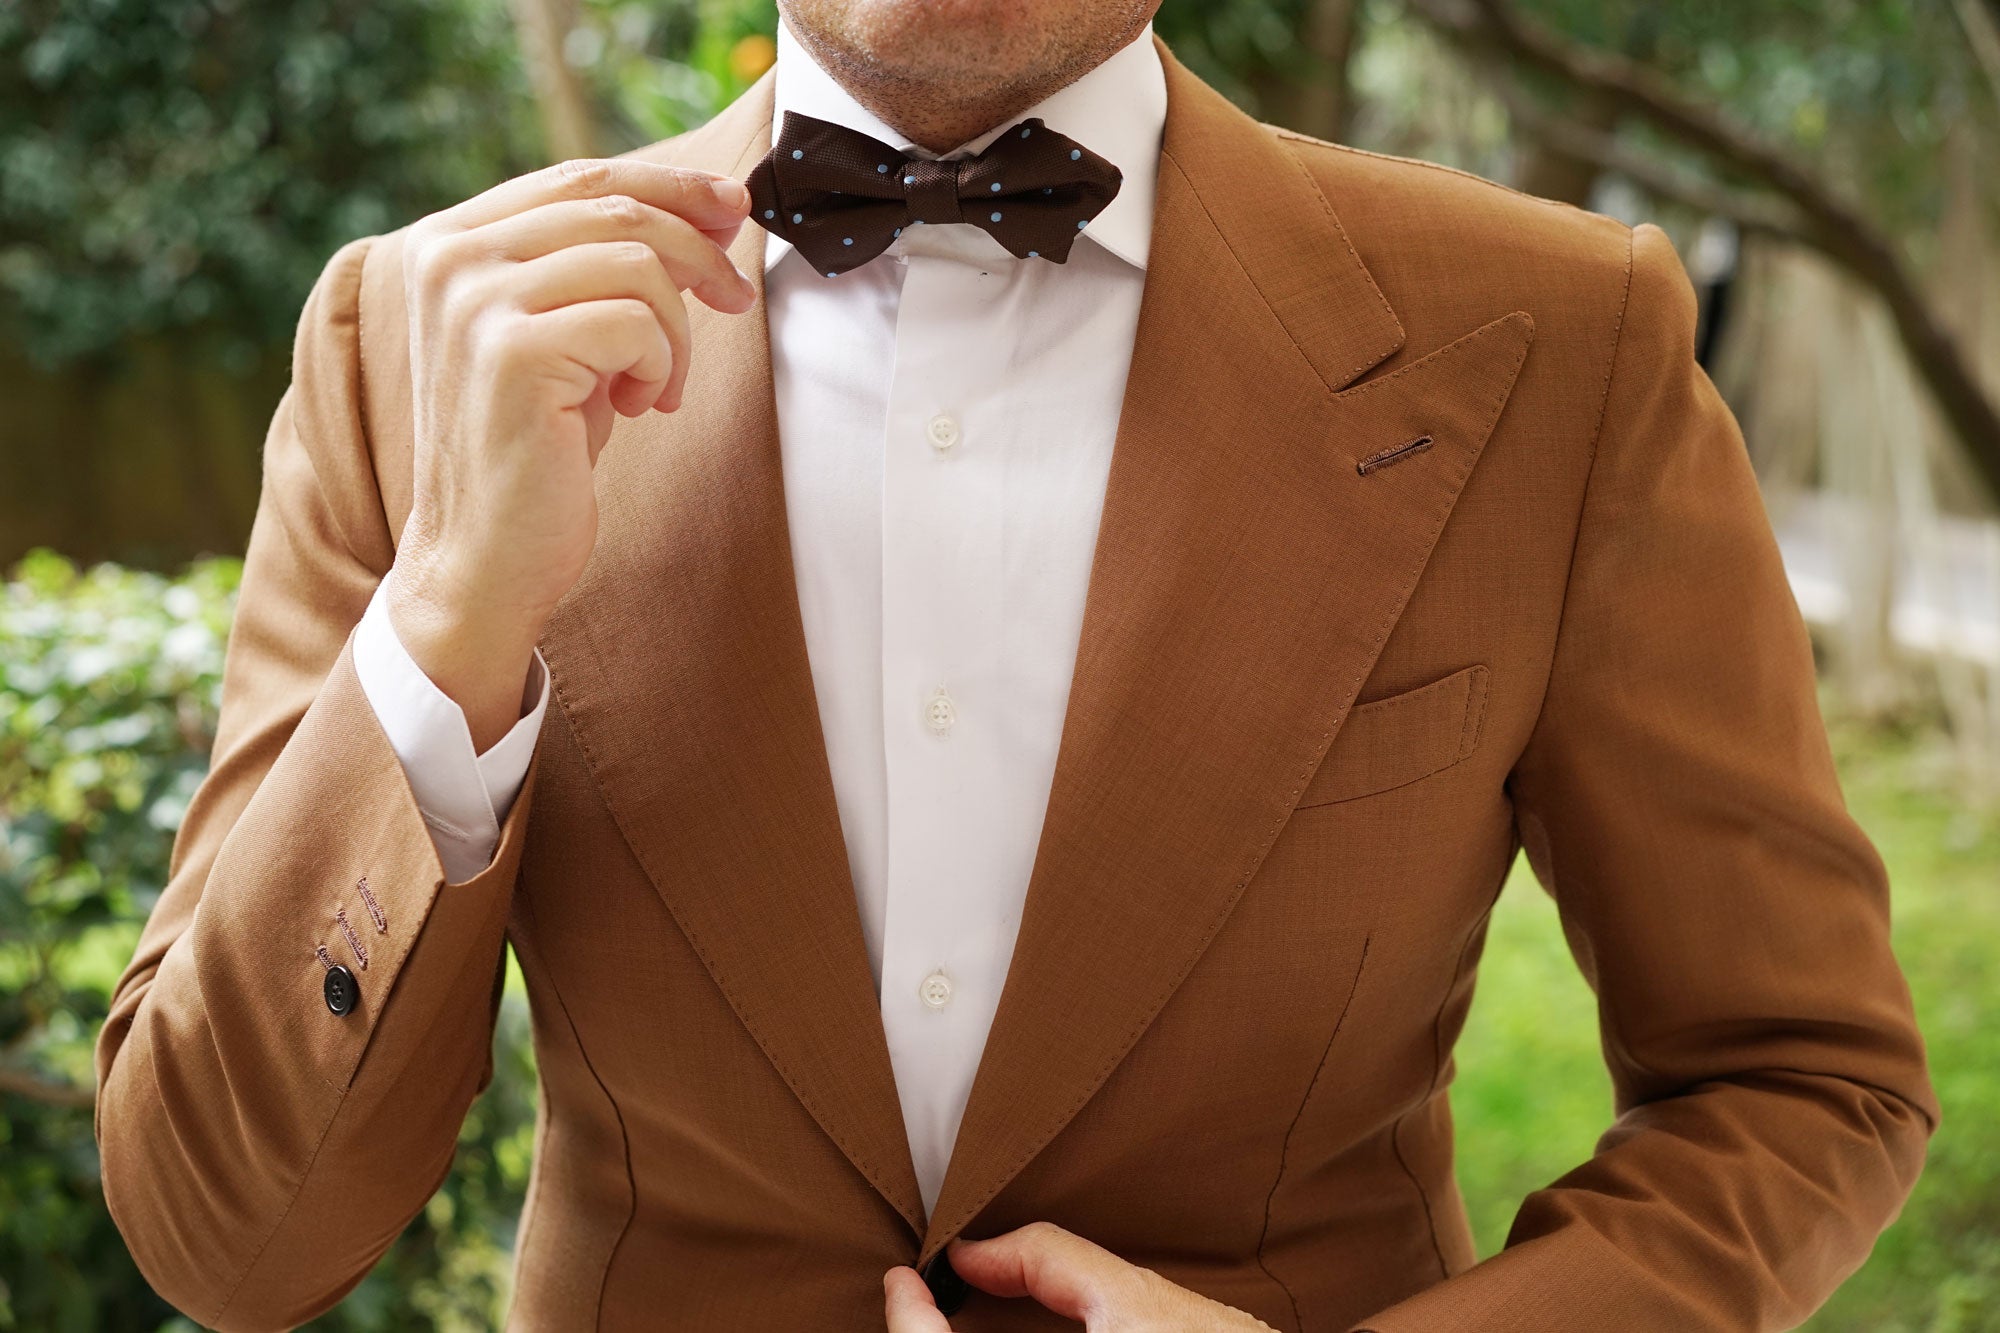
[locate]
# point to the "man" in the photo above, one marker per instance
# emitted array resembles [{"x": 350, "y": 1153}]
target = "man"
[{"x": 922, "y": 823}]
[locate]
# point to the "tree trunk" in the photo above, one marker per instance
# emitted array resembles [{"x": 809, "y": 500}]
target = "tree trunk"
[
  {"x": 1550, "y": 172},
  {"x": 1316, "y": 102},
  {"x": 1328, "y": 35},
  {"x": 568, "y": 127}
]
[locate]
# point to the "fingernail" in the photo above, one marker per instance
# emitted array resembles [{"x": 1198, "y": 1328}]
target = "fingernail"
[{"x": 731, "y": 192}]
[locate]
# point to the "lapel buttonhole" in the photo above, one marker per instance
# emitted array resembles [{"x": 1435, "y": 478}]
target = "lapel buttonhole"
[{"x": 1395, "y": 454}]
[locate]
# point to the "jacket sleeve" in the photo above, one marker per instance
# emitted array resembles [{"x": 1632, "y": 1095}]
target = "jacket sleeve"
[
  {"x": 462, "y": 794},
  {"x": 259, "y": 1151},
  {"x": 1678, "y": 800}
]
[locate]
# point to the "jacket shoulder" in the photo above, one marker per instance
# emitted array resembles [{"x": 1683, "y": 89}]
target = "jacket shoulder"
[
  {"x": 1428, "y": 202},
  {"x": 1451, "y": 250}
]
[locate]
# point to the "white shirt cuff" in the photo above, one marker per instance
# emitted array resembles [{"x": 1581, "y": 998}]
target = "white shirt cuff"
[{"x": 462, "y": 795}]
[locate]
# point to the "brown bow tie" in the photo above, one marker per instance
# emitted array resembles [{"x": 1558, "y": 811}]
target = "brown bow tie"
[{"x": 840, "y": 196}]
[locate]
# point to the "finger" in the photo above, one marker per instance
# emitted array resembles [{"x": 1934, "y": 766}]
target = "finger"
[
  {"x": 1060, "y": 1270},
  {"x": 704, "y": 198},
  {"x": 582, "y": 344},
  {"x": 723, "y": 236},
  {"x": 630, "y": 397},
  {"x": 599, "y": 412},
  {"x": 692, "y": 257},
  {"x": 607, "y": 270},
  {"x": 682, "y": 345},
  {"x": 907, "y": 1303}
]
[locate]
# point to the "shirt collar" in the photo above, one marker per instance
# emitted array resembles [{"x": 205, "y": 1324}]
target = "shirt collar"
[{"x": 1117, "y": 110}]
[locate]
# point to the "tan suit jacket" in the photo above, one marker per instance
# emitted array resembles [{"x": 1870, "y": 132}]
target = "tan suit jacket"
[{"x": 1320, "y": 703}]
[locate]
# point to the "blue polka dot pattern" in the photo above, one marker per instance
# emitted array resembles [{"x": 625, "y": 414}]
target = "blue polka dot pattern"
[
  {"x": 994, "y": 218},
  {"x": 798, "y": 153}
]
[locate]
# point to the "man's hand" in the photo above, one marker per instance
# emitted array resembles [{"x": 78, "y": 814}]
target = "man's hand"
[
  {"x": 1070, "y": 1276},
  {"x": 538, "y": 310}
]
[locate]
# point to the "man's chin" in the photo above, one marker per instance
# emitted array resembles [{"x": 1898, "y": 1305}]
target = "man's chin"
[{"x": 970, "y": 50}]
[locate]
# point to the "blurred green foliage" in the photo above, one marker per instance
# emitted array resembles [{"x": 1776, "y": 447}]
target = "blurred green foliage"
[
  {"x": 659, "y": 67},
  {"x": 189, "y": 164},
  {"x": 107, "y": 688},
  {"x": 1869, "y": 93},
  {"x": 109, "y": 685},
  {"x": 1532, "y": 1096}
]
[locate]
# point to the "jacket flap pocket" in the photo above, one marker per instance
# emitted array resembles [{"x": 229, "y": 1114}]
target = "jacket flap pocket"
[{"x": 1398, "y": 740}]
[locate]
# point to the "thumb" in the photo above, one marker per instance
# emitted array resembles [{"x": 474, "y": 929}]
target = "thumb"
[
  {"x": 907, "y": 1303},
  {"x": 1059, "y": 1269}
]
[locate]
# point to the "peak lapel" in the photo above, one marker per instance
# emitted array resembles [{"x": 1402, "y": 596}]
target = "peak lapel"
[
  {"x": 1246, "y": 575},
  {"x": 680, "y": 662}
]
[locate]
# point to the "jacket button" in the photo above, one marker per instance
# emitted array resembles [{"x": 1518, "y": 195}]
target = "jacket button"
[
  {"x": 948, "y": 1289},
  {"x": 340, "y": 989}
]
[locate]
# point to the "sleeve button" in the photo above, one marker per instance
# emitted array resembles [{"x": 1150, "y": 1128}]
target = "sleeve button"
[{"x": 340, "y": 989}]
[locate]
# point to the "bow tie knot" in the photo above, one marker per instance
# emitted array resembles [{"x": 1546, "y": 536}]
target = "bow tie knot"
[
  {"x": 841, "y": 196},
  {"x": 932, "y": 189}
]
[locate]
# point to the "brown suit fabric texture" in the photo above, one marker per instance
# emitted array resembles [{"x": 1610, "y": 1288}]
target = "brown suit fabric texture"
[{"x": 1331, "y": 680}]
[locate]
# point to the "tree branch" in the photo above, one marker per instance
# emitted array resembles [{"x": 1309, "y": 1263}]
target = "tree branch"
[
  {"x": 1982, "y": 31},
  {"x": 1828, "y": 223},
  {"x": 1751, "y": 212},
  {"x": 50, "y": 1092}
]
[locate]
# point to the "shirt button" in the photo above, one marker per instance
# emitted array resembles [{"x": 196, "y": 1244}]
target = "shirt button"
[
  {"x": 935, "y": 990},
  {"x": 939, "y": 712},
  {"x": 943, "y": 432}
]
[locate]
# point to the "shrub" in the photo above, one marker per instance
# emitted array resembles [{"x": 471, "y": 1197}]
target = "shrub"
[
  {"x": 168, "y": 165},
  {"x": 109, "y": 686}
]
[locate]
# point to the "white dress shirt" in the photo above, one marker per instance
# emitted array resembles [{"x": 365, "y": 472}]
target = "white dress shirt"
[{"x": 946, "y": 414}]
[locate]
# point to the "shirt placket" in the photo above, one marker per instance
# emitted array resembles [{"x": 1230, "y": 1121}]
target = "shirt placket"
[{"x": 942, "y": 515}]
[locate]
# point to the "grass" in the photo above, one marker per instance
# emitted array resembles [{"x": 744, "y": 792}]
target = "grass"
[{"x": 1531, "y": 1095}]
